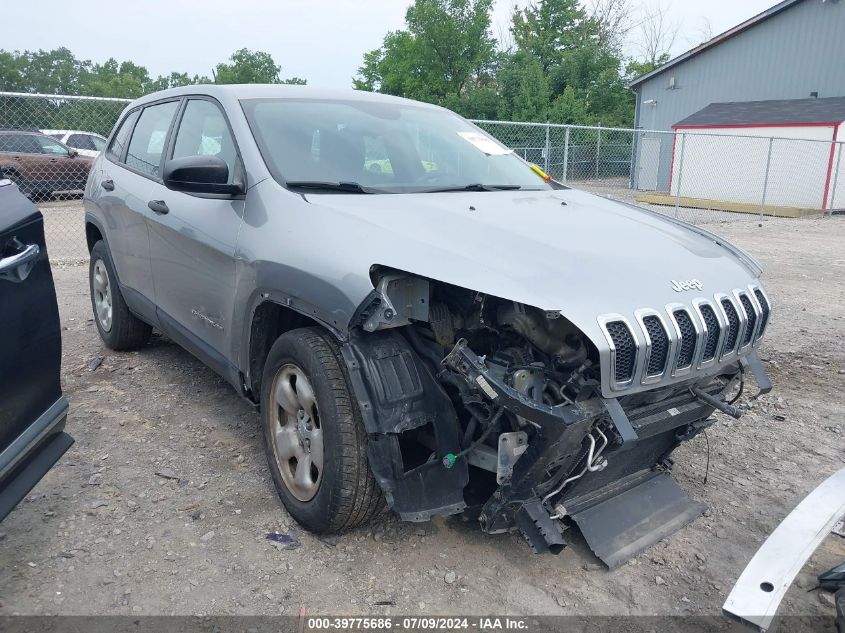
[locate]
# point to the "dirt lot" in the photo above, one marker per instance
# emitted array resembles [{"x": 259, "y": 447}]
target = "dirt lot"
[{"x": 105, "y": 534}]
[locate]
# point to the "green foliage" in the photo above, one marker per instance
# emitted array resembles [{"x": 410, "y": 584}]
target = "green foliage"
[
  {"x": 251, "y": 67},
  {"x": 60, "y": 72},
  {"x": 524, "y": 89},
  {"x": 636, "y": 69},
  {"x": 549, "y": 30},
  {"x": 445, "y": 56},
  {"x": 563, "y": 67}
]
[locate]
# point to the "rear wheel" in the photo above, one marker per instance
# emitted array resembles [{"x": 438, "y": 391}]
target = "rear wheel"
[
  {"x": 118, "y": 327},
  {"x": 315, "y": 438}
]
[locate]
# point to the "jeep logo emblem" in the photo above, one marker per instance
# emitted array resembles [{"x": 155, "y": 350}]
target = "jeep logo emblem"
[{"x": 689, "y": 284}]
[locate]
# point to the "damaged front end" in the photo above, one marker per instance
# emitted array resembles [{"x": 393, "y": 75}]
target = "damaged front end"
[{"x": 479, "y": 405}]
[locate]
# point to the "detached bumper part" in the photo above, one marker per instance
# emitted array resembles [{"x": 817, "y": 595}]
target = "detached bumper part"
[
  {"x": 757, "y": 594},
  {"x": 626, "y": 524}
]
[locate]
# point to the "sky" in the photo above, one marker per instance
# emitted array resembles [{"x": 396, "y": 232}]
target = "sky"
[{"x": 320, "y": 40}]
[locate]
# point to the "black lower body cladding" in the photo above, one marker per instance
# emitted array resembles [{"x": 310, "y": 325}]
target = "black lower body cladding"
[{"x": 398, "y": 396}]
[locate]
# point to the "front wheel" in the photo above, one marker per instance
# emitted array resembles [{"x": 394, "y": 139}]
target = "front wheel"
[{"x": 315, "y": 439}]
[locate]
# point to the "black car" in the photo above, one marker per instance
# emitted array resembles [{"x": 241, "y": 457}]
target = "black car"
[{"x": 32, "y": 408}]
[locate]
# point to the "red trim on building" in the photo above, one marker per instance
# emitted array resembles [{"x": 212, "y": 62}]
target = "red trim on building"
[
  {"x": 733, "y": 126},
  {"x": 830, "y": 167}
]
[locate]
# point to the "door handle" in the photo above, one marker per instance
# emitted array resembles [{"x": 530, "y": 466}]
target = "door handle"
[
  {"x": 159, "y": 206},
  {"x": 18, "y": 266},
  {"x": 107, "y": 184}
]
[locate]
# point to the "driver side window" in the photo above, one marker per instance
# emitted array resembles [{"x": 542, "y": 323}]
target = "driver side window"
[{"x": 203, "y": 132}]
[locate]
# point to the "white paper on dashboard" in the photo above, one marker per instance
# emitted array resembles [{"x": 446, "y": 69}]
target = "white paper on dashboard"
[{"x": 485, "y": 144}]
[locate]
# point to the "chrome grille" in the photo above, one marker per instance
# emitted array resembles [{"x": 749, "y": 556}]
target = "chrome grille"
[
  {"x": 751, "y": 317},
  {"x": 733, "y": 326},
  {"x": 626, "y": 350},
  {"x": 764, "y": 306},
  {"x": 711, "y": 321},
  {"x": 686, "y": 351},
  {"x": 669, "y": 345},
  {"x": 659, "y": 345}
]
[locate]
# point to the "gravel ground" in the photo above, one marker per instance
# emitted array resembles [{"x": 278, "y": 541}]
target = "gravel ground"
[{"x": 163, "y": 504}]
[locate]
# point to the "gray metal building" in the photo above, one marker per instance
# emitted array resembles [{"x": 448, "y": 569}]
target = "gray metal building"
[{"x": 794, "y": 50}]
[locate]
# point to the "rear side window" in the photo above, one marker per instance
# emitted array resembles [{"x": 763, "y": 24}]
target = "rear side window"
[
  {"x": 80, "y": 141},
  {"x": 147, "y": 143},
  {"x": 19, "y": 143},
  {"x": 48, "y": 145},
  {"x": 118, "y": 143},
  {"x": 204, "y": 132}
]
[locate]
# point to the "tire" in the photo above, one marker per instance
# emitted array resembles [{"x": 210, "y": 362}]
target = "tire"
[
  {"x": 118, "y": 327},
  {"x": 342, "y": 493}
]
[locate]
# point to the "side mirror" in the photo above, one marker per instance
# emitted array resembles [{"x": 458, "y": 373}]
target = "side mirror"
[
  {"x": 199, "y": 174},
  {"x": 72, "y": 152}
]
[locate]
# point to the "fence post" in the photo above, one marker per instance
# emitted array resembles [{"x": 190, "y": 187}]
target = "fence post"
[
  {"x": 766, "y": 178},
  {"x": 680, "y": 174},
  {"x": 835, "y": 180},
  {"x": 566, "y": 155},
  {"x": 633, "y": 162},
  {"x": 548, "y": 147},
  {"x": 598, "y": 151}
]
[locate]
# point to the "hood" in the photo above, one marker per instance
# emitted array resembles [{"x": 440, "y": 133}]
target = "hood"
[
  {"x": 589, "y": 258},
  {"x": 563, "y": 250}
]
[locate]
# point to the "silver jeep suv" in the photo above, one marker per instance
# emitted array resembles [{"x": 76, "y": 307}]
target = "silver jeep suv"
[{"x": 420, "y": 317}]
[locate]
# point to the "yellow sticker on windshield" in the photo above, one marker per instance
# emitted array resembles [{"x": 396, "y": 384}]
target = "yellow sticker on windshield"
[{"x": 485, "y": 143}]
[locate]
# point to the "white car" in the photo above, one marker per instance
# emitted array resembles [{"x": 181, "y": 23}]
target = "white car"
[{"x": 86, "y": 143}]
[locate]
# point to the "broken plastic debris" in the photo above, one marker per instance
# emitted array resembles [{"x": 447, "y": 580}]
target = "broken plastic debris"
[{"x": 288, "y": 540}]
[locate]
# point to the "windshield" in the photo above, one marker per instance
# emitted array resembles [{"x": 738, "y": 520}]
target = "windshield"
[{"x": 383, "y": 147}]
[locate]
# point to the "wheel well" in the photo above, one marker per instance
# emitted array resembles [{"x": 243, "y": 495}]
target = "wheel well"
[
  {"x": 92, "y": 235},
  {"x": 269, "y": 322}
]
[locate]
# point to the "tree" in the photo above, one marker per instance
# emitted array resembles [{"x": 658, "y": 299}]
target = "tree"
[
  {"x": 548, "y": 29},
  {"x": 445, "y": 53},
  {"x": 613, "y": 19},
  {"x": 55, "y": 72},
  {"x": 567, "y": 108},
  {"x": 524, "y": 89},
  {"x": 12, "y": 66},
  {"x": 657, "y": 35},
  {"x": 60, "y": 72},
  {"x": 251, "y": 67},
  {"x": 580, "y": 57},
  {"x": 636, "y": 69}
]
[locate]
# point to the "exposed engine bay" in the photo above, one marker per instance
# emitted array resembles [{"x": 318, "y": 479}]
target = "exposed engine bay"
[{"x": 482, "y": 406}]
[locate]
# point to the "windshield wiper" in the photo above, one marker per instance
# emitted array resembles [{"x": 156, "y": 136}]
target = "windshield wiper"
[
  {"x": 343, "y": 187},
  {"x": 474, "y": 187}
]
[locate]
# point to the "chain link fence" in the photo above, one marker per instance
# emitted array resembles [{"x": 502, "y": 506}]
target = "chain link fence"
[
  {"x": 49, "y": 142},
  {"x": 699, "y": 176},
  {"x": 47, "y": 146}
]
